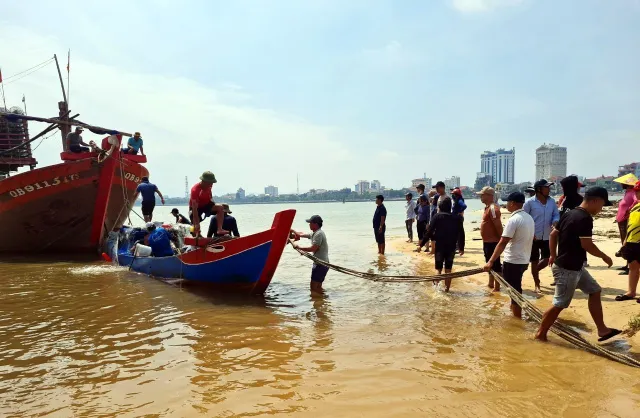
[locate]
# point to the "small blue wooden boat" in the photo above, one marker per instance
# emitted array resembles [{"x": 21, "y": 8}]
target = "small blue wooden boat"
[{"x": 244, "y": 264}]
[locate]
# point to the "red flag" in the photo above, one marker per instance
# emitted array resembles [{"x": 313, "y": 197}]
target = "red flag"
[
  {"x": 0, "y": 76},
  {"x": 68, "y": 59}
]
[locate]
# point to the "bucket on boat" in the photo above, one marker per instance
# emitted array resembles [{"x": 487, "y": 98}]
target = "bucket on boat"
[{"x": 142, "y": 251}]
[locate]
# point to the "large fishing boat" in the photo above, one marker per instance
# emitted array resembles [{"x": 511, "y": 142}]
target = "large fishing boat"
[{"x": 67, "y": 207}]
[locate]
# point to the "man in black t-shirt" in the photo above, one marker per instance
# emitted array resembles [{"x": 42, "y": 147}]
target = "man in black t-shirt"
[
  {"x": 379, "y": 227},
  {"x": 573, "y": 239},
  {"x": 444, "y": 231}
]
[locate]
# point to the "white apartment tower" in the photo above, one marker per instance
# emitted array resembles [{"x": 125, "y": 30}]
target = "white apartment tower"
[
  {"x": 500, "y": 164},
  {"x": 551, "y": 161}
]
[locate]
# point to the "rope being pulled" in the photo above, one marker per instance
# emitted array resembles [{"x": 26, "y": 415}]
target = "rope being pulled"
[{"x": 561, "y": 330}]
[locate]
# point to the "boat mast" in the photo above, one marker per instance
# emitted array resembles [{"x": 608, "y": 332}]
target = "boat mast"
[{"x": 63, "y": 107}]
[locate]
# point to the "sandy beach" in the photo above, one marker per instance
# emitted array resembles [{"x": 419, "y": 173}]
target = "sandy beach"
[{"x": 616, "y": 314}]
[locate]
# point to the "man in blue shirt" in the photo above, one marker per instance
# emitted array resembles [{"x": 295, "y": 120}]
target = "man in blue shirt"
[
  {"x": 544, "y": 211},
  {"x": 379, "y": 227},
  {"x": 148, "y": 192},
  {"x": 134, "y": 145}
]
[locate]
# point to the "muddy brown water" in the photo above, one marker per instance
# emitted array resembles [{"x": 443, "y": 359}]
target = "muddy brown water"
[{"x": 82, "y": 338}]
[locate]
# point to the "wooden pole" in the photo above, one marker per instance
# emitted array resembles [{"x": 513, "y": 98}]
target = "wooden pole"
[{"x": 64, "y": 94}]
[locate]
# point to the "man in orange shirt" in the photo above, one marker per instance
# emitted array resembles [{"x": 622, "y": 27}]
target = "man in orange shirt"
[
  {"x": 491, "y": 231},
  {"x": 201, "y": 203}
]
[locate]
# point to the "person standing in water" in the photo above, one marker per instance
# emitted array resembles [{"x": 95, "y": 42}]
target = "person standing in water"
[
  {"x": 491, "y": 231},
  {"x": 516, "y": 243},
  {"x": 379, "y": 226},
  {"x": 410, "y": 208},
  {"x": 569, "y": 243},
  {"x": 444, "y": 230},
  {"x": 320, "y": 249}
]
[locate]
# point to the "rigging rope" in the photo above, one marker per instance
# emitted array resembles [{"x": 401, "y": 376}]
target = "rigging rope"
[
  {"x": 561, "y": 330},
  {"x": 27, "y": 71}
]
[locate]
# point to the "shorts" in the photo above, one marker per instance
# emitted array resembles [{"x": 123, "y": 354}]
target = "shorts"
[
  {"x": 379, "y": 235},
  {"x": 631, "y": 252},
  {"x": 203, "y": 212},
  {"x": 445, "y": 258},
  {"x": 540, "y": 250},
  {"x": 318, "y": 273},
  {"x": 147, "y": 208},
  {"x": 512, "y": 274},
  {"x": 566, "y": 283},
  {"x": 489, "y": 248}
]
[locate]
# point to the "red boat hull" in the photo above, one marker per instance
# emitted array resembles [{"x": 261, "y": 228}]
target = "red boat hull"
[{"x": 67, "y": 207}]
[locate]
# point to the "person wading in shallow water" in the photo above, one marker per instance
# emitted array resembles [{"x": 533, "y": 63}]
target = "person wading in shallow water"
[
  {"x": 491, "y": 231},
  {"x": 410, "y": 208},
  {"x": 379, "y": 227},
  {"x": 319, "y": 248},
  {"x": 444, "y": 232},
  {"x": 516, "y": 242},
  {"x": 569, "y": 243}
]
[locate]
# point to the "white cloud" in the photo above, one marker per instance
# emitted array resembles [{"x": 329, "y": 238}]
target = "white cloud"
[
  {"x": 391, "y": 56},
  {"x": 188, "y": 127},
  {"x": 478, "y": 6}
]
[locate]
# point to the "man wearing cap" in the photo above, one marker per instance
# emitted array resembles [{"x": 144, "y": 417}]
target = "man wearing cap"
[
  {"x": 320, "y": 249},
  {"x": 544, "y": 212},
  {"x": 75, "y": 142},
  {"x": 180, "y": 218},
  {"x": 148, "y": 192},
  {"x": 410, "y": 209},
  {"x": 440, "y": 191},
  {"x": 202, "y": 206},
  {"x": 491, "y": 231},
  {"x": 228, "y": 224},
  {"x": 516, "y": 242},
  {"x": 570, "y": 241},
  {"x": 134, "y": 145},
  {"x": 624, "y": 206}
]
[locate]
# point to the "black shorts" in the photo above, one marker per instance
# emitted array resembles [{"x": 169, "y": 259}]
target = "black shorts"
[
  {"x": 318, "y": 273},
  {"x": 444, "y": 258},
  {"x": 540, "y": 250},
  {"x": 512, "y": 274},
  {"x": 147, "y": 208},
  {"x": 631, "y": 252},
  {"x": 379, "y": 235},
  {"x": 489, "y": 248},
  {"x": 203, "y": 212}
]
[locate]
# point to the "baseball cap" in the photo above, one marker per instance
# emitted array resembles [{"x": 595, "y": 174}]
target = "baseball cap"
[
  {"x": 409, "y": 194},
  {"x": 487, "y": 190},
  {"x": 637, "y": 186},
  {"x": 439, "y": 184},
  {"x": 542, "y": 183},
  {"x": 175, "y": 210},
  {"x": 456, "y": 190},
  {"x": 598, "y": 192},
  {"x": 316, "y": 219},
  {"x": 517, "y": 197}
]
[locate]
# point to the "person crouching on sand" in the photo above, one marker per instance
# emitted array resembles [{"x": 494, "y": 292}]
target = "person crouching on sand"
[
  {"x": 569, "y": 244},
  {"x": 631, "y": 247},
  {"x": 444, "y": 229},
  {"x": 319, "y": 248}
]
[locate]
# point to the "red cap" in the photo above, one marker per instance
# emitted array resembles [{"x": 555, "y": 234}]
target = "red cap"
[
  {"x": 637, "y": 186},
  {"x": 456, "y": 191}
]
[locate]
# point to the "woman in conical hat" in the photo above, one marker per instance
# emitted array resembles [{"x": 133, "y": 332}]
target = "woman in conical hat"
[{"x": 624, "y": 206}]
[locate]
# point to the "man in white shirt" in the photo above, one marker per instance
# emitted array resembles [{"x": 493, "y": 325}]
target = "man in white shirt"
[
  {"x": 410, "y": 208},
  {"x": 516, "y": 243}
]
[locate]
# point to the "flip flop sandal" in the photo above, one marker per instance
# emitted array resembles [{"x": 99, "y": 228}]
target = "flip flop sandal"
[
  {"x": 621, "y": 298},
  {"x": 611, "y": 334}
]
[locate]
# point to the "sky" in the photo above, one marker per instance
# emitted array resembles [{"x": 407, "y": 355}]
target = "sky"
[{"x": 333, "y": 91}]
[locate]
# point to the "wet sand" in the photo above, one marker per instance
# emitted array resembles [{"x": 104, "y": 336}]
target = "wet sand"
[{"x": 606, "y": 236}]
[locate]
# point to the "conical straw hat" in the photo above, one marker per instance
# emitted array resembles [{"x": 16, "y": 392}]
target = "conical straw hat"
[{"x": 628, "y": 179}]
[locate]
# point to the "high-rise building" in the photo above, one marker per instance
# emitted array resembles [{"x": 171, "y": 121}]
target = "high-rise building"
[
  {"x": 240, "y": 194},
  {"x": 452, "y": 182},
  {"x": 499, "y": 164},
  {"x": 551, "y": 161},
  {"x": 426, "y": 181},
  {"x": 633, "y": 168},
  {"x": 271, "y": 191},
  {"x": 362, "y": 187},
  {"x": 375, "y": 186}
]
